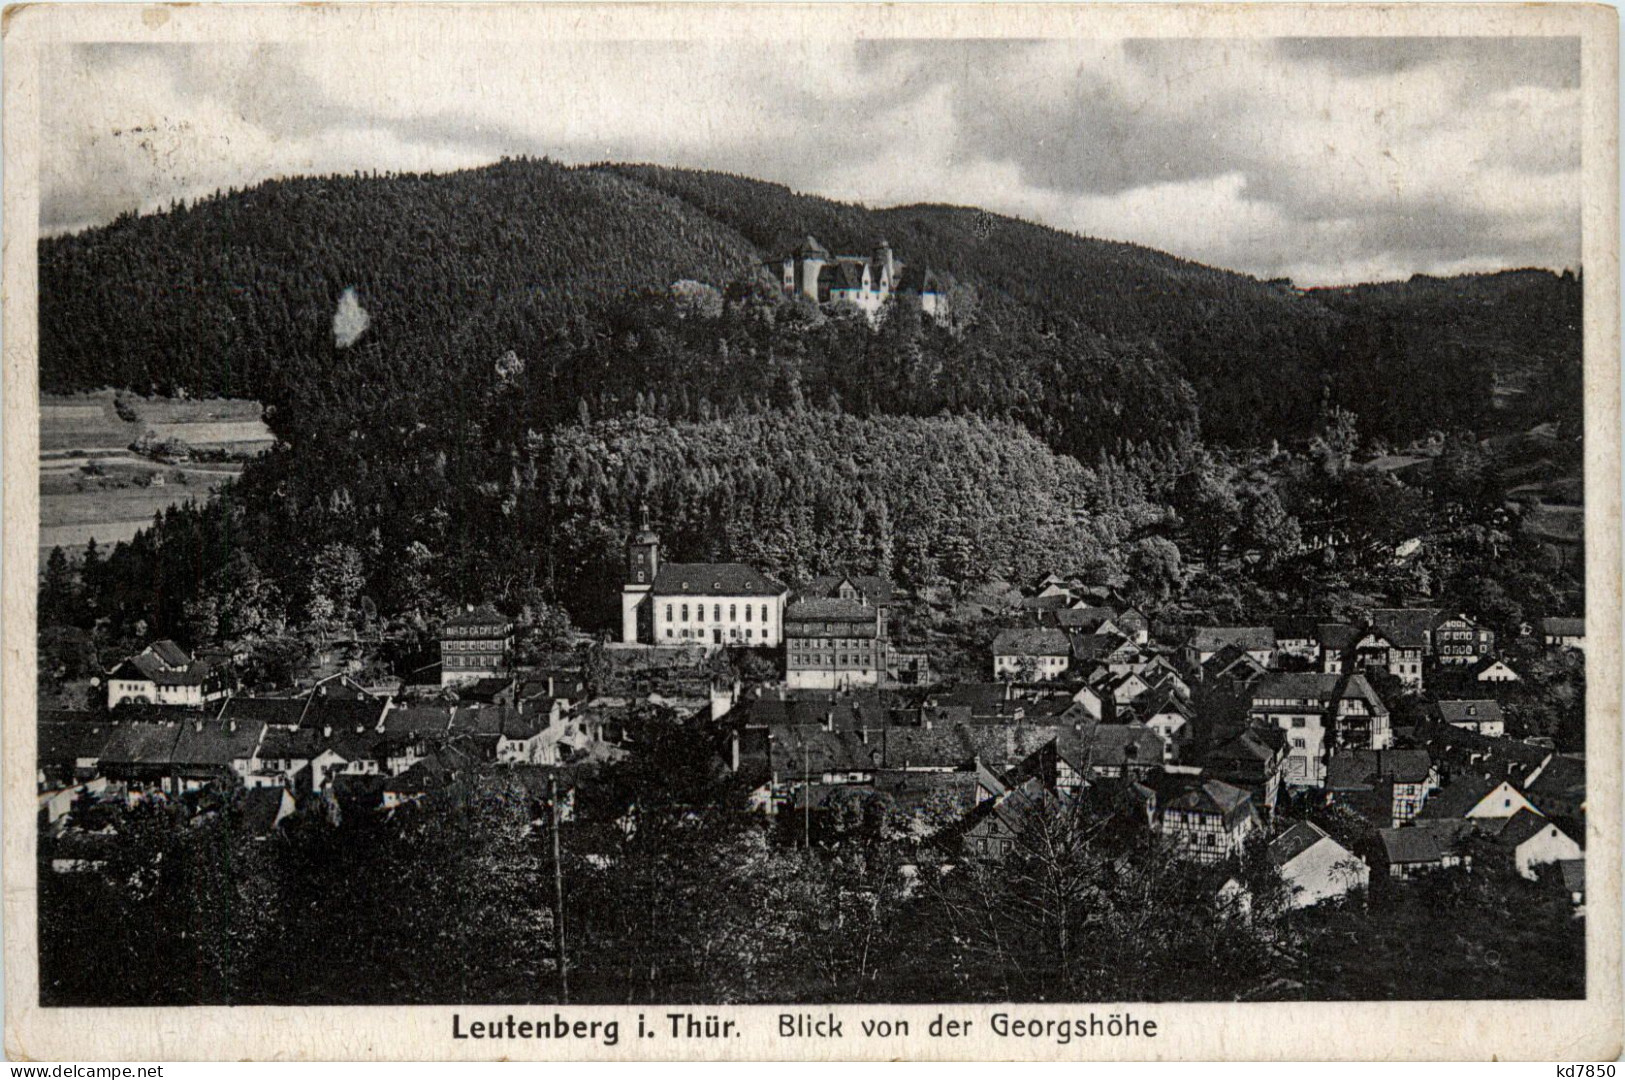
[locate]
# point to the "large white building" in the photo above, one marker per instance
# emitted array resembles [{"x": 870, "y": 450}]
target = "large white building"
[
  {"x": 667, "y": 603},
  {"x": 165, "y": 674},
  {"x": 864, "y": 281}
]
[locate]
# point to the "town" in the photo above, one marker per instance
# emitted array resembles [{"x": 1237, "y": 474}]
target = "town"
[{"x": 1207, "y": 740}]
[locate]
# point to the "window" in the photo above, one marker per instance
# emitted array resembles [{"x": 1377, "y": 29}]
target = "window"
[
  {"x": 668, "y": 617},
  {"x": 668, "y": 631},
  {"x": 733, "y": 612},
  {"x": 764, "y": 613},
  {"x": 685, "y": 613},
  {"x": 747, "y": 633},
  {"x": 747, "y": 613},
  {"x": 1298, "y": 721}
]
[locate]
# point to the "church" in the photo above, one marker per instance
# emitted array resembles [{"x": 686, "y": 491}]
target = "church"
[{"x": 669, "y": 603}]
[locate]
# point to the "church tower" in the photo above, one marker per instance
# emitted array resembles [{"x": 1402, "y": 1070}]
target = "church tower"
[{"x": 642, "y": 564}]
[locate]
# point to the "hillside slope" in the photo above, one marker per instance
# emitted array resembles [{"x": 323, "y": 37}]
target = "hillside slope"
[{"x": 1095, "y": 345}]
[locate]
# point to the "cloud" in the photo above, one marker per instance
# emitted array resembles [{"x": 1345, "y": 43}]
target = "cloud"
[{"x": 1322, "y": 159}]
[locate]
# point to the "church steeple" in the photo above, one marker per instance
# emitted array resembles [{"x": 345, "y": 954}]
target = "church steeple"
[{"x": 643, "y": 553}]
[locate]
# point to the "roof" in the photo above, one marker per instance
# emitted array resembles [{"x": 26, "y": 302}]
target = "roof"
[
  {"x": 809, "y": 246},
  {"x": 1522, "y": 827},
  {"x": 217, "y": 743},
  {"x": 170, "y": 653},
  {"x": 1209, "y": 796},
  {"x": 1297, "y": 685},
  {"x": 876, "y": 589},
  {"x": 1354, "y": 769},
  {"x": 1096, "y": 646},
  {"x": 1557, "y": 626},
  {"x": 1475, "y": 711},
  {"x": 140, "y": 744},
  {"x": 1574, "y": 874},
  {"x": 147, "y": 666},
  {"x": 1295, "y": 841},
  {"x": 275, "y": 711},
  {"x": 1213, "y": 638},
  {"x": 484, "y": 615},
  {"x": 1336, "y": 637},
  {"x": 831, "y": 610},
  {"x": 1294, "y": 627},
  {"x": 1409, "y": 628},
  {"x": 1117, "y": 745},
  {"x": 1410, "y": 845},
  {"x": 1356, "y": 686},
  {"x": 66, "y": 741},
  {"x": 1457, "y": 799},
  {"x": 1032, "y": 641},
  {"x": 1055, "y": 603},
  {"x": 713, "y": 579}
]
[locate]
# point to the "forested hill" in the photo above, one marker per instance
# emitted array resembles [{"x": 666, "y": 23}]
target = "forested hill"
[{"x": 1096, "y": 346}]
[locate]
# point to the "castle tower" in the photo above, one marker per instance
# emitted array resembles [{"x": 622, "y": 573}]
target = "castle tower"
[
  {"x": 885, "y": 268},
  {"x": 642, "y": 564},
  {"x": 811, "y": 257}
]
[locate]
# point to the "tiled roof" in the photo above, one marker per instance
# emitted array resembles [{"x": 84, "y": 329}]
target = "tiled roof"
[
  {"x": 877, "y": 590},
  {"x": 713, "y": 579},
  {"x": 1096, "y": 646},
  {"x": 281, "y": 712},
  {"x": 831, "y": 610},
  {"x": 484, "y": 615},
  {"x": 1406, "y": 627},
  {"x": 216, "y": 743},
  {"x": 1295, "y": 841},
  {"x": 66, "y": 741},
  {"x": 1455, "y": 799},
  {"x": 1353, "y": 769},
  {"x": 170, "y": 653},
  {"x": 1521, "y": 827},
  {"x": 1297, "y": 685},
  {"x": 140, "y": 744},
  {"x": 1336, "y": 637},
  {"x": 1410, "y": 845},
  {"x": 1294, "y": 627},
  {"x": 1213, "y": 638},
  {"x": 1563, "y": 627},
  {"x": 1032, "y": 641},
  {"x": 1469, "y": 712}
]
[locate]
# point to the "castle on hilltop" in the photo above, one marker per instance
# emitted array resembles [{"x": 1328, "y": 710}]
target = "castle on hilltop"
[{"x": 865, "y": 281}]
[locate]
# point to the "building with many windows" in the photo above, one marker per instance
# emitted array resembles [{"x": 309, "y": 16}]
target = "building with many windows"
[
  {"x": 667, "y": 603},
  {"x": 474, "y": 645},
  {"x": 835, "y": 634}
]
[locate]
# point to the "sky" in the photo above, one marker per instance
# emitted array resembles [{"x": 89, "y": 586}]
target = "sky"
[{"x": 1326, "y": 160}]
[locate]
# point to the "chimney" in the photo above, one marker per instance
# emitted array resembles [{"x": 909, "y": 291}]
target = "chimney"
[
  {"x": 198, "y": 726},
  {"x": 231, "y": 725},
  {"x": 733, "y": 742},
  {"x": 327, "y": 731},
  {"x": 863, "y": 735},
  {"x": 829, "y": 720}
]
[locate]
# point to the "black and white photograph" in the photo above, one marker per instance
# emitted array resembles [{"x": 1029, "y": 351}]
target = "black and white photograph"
[{"x": 1067, "y": 523}]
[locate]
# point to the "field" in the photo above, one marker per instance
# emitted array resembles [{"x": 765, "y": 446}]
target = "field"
[{"x": 94, "y": 485}]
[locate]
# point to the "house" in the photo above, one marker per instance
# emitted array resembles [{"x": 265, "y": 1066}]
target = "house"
[
  {"x": 1475, "y": 798},
  {"x": 1335, "y": 640},
  {"x": 834, "y": 643},
  {"x": 1557, "y": 786},
  {"x": 1168, "y": 715},
  {"x": 1494, "y": 670},
  {"x": 864, "y": 281},
  {"x": 1116, "y": 653},
  {"x": 1114, "y": 751},
  {"x": 69, "y": 746},
  {"x": 1254, "y": 760},
  {"x": 1387, "y": 786},
  {"x": 1425, "y": 846},
  {"x": 996, "y": 826},
  {"x": 1563, "y": 632},
  {"x": 1482, "y": 716},
  {"x": 1257, "y": 641},
  {"x": 1398, "y": 654},
  {"x": 474, "y": 644},
  {"x": 1233, "y": 665},
  {"x": 1459, "y": 640},
  {"x": 1205, "y": 819},
  {"x": 1314, "y": 867},
  {"x": 664, "y": 603},
  {"x": 1296, "y": 636},
  {"x": 1535, "y": 841},
  {"x": 215, "y": 751},
  {"x": 165, "y": 674},
  {"x": 1320, "y": 712},
  {"x": 1408, "y": 628},
  {"x": 1133, "y": 624},
  {"x": 1031, "y": 653}
]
